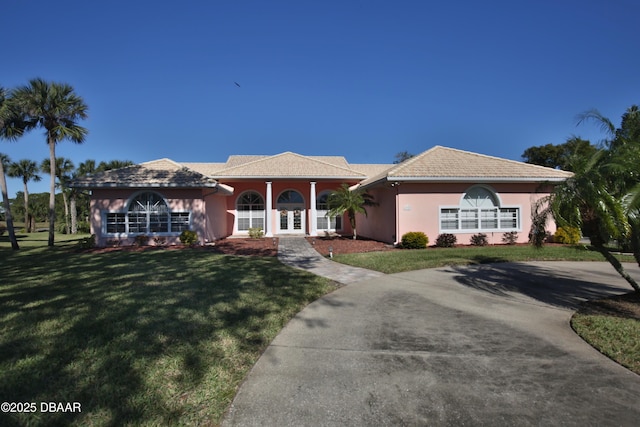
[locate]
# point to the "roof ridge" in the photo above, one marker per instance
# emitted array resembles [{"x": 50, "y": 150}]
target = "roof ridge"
[
  {"x": 267, "y": 158},
  {"x": 162, "y": 159}
]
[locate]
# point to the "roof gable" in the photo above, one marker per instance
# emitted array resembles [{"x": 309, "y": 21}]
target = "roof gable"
[
  {"x": 289, "y": 165},
  {"x": 449, "y": 164},
  {"x": 160, "y": 173}
]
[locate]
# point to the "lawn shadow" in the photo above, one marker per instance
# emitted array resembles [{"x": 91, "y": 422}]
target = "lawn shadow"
[
  {"x": 556, "y": 286},
  {"x": 91, "y": 327}
]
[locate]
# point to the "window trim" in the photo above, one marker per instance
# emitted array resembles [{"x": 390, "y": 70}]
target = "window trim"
[
  {"x": 464, "y": 207},
  {"x": 126, "y": 210},
  {"x": 236, "y": 222},
  {"x": 323, "y": 215}
]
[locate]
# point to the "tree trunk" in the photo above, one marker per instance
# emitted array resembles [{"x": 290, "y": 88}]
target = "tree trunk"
[
  {"x": 74, "y": 214},
  {"x": 352, "y": 221},
  {"x": 7, "y": 210},
  {"x": 52, "y": 189},
  {"x": 27, "y": 224},
  {"x": 618, "y": 266},
  {"x": 65, "y": 201}
]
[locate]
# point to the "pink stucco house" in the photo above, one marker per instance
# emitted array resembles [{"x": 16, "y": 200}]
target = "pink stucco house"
[{"x": 441, "y": 190}]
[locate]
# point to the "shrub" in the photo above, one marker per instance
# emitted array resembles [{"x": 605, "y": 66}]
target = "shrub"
[
  {"x": 188, "y": 237},
  {"x": 567, "y": 235},
  {"x": 87, "y": 242},
  {"x": 160, "y": 241},
  {"x": 114, "y": 243},
  {"x": 510, "y": 238},
  {"x": 84, "y": 227},
  {"x": 141, "y": 240},
  {"x": 446, "y": 240},
  {"x": 479, "y": 240},
  {"x": 256, "y": 233},
  {"x": 414, "y": 240}
]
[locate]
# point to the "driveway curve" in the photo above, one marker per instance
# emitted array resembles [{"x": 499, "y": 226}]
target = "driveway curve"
[{"x": 475, "y": 345}]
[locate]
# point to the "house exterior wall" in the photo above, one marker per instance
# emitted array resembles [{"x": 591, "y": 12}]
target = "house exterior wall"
[
  {"x": 277, "y": 188},
  {"x": 419, "y": 205},
  {"x": 380, "y": 221},
  {"x": 115, "y": 200}
]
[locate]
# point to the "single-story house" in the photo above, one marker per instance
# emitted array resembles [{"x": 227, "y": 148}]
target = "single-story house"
[{"x": 441, "y": 190}]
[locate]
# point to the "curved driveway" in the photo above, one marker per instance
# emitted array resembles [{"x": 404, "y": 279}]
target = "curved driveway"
[{"x": 481, "y": 345}]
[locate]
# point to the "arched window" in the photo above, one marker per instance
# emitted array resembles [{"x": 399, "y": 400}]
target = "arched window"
[
  {"x": 250, "y": 211},
  {"x": 479, "y": 210},
  {"x": 147, "y": 213},
  {"x": 322, "y": 220},
  {"x": 290, "y": 196}
]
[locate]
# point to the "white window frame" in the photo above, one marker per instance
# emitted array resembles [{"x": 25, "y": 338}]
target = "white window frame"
[
  {"x": 332, "y": 222},
  {"x": 127, "y": 211},
  {"x": 251, "y": 214},
  {"x": 465, "y": 214}
]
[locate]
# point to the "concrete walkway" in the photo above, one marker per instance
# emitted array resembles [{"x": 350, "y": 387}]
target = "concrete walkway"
[
  {"x": 474, "y": 345},
  {"x": 298, "y": 253}
]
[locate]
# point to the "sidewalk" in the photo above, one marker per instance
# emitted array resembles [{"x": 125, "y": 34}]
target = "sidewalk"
[{"x": 298, "y": 253}]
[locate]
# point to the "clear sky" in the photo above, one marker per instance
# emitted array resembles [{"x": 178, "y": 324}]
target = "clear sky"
[{"x": 364, "y": 79}]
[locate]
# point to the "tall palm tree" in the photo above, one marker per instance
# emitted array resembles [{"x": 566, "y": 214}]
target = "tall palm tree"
[
  {"x": 63, "y": 169},
  {"x": 11, "y": 127},
  {"x": 345, "y": 200},
  {"x": 586, "y": 202},
  {"x": 28, "y": 171},
  {"x": 56, "y": 108}
]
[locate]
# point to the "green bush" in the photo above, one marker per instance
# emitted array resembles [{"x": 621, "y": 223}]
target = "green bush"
[
  {"x": 567, "y": 235},
  {"x": 84, "y": 227},
  {"x": 479, "y": 240},
  {"x": 141, "y": 240},
  {"x": 414, "y": 240},
  {"x": 256, "y": 233},
  {"x": 87, "y": 242},
  {"x": 446, "y": 240},
  {"x": 510, "y": 238},
  {"x": 188, "y": 237}
]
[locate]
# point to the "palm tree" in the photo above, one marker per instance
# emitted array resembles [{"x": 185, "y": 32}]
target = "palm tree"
[
  {"x": 345, "y": 200},
  {"x": 113, "y": 164},
  {"x": 11, "y": 127},
  {"x": 586, "y": 202},
  {"x": 28, "y": 171},
  {"x": 56, "y": 108},
  {"x": 63, "y": 168}
]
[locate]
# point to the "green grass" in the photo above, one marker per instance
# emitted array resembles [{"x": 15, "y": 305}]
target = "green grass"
[
  {"x": 614, "y": 336},
  {"x": 160, "y": 337},
  {"x": 407, "y": 260}
]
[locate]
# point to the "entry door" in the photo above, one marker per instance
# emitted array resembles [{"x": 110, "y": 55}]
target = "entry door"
[{"x": 291, "y": 219}]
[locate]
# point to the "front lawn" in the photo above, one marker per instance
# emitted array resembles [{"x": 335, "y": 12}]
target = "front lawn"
[
  {"x": 158, "y": 337},
  {"x": 406, "y": 260}
]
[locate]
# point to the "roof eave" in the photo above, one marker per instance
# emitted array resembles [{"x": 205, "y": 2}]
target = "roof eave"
[
  {"x": 270, "y": 177},
  {"x": 475, "y": 179}
]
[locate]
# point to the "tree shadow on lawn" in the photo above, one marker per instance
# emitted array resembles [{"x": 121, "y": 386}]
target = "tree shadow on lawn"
[
  {"x": 99, "y": 328},
  {"x": 553, "y": 286}
]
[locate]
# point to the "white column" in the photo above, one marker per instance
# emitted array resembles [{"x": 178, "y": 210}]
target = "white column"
[
  {"x": 268, "y": 206},
  {"x": 313, "y": 230}
]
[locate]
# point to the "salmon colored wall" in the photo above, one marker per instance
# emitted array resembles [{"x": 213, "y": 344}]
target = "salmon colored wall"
[
  {"x": 277, "y": 187},
  {"x": 419, "y": 206},
  {"x": 379, "y": 223},
  {"x": 114, "y": 200}
]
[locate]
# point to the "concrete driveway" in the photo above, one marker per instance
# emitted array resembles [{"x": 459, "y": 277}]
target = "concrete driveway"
[{"x": 482, "y": 345}]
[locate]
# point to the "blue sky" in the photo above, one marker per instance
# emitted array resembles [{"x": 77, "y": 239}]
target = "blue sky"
[{"x": 363, "y": 79}]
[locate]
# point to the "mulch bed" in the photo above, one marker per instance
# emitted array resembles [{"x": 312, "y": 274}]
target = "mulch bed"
[{"x": 346, "y": 245}]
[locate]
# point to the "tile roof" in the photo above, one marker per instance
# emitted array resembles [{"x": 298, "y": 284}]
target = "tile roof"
[
  {"x": 448, "y": 164},
  {"x": 160, "y": 173},
  {"x": 288, "y": 165}
]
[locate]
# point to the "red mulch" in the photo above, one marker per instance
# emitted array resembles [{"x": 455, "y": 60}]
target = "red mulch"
[{"x": 346, "y": 245}]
